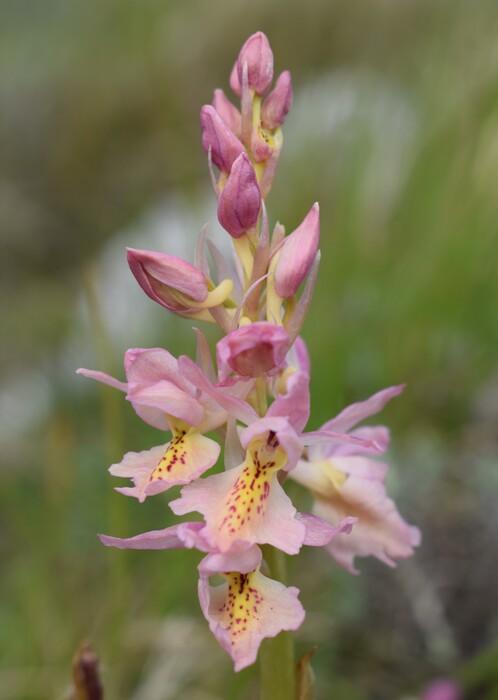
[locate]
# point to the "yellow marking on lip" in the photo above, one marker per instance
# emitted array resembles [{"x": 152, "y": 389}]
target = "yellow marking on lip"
[
  {"x": 242, "y": 605},
  {"x": 247, "y": 499},
  {"x": 176, "y": 452}
]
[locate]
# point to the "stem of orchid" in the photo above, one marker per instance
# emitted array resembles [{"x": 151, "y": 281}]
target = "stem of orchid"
[{"x": 276, "y": 656}]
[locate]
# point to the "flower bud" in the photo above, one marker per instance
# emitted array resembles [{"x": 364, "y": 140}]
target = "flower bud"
[
  {"x": 253, "y": 350},
  {"x": 234, "y": 81},
  {"x": 297, "y": 254},
  {"x": 216, "y": 134},
  {"x": 258, "y": 55},
  {"x": 240, "y": 200},
  {"x": 227, "y": 111},
  {"x": 278, "y": 102},
  {"x": 174, "y": 283}
]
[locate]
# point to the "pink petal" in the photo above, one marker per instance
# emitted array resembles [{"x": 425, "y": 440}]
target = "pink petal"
[
  {"x": 222, "y": 396},
  {"x": 320, "y": 533},
  {"x": 380, "y": 531},
  {"x": 278, "y": 103},
  {"x": 150, "y": 365},
  {"x": 247, "y": 609},
  {"x": 357, "y": 412},
  {"x": 104, "y": 378},
  {"x": 295, "y": 404},
  {"x": 184, "y": 535},
  {"x": 165, "y": 397}
]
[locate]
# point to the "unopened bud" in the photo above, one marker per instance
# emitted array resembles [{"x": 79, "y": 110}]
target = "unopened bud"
[
  {"x": 227, "y": 111},
  {"x": 253, "y": 350},
  {"x": 234, "y": 81},
  {"x": 278, "y": 103},
  {"x": 240, "y": 200},
  {"x": 258, "y": 55},
  {"x": 297, "y": 254},
  {"x": 174, "y": 283},
  {"x": 217, "y": 136}
]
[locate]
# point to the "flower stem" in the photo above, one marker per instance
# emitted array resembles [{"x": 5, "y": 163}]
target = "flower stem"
[{"x": 277, "y": 672}]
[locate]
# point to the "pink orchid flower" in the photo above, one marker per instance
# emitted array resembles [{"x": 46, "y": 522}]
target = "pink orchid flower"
[
  {"x": 248, "y": 607},
  {"x": 247, "y": 505},
  {"x": 165, "y": 399},
  {"x": 346, "y": 482}
]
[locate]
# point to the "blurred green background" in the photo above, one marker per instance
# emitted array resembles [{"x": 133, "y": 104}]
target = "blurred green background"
[{"x": 394, "y": 131}]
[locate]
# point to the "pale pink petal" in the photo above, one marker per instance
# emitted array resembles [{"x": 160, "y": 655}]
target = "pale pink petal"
[
  {"x": 377, "y": 435},
  {"x": 357, "y": 412},
  {"x": 319, "y": 532},
  {"x": 240, "y": 560},
  {"x": 223, "y": 396},
  {"x": 104, "y": 378},
  {"x": 247, "y": 609},
  {"x": 185, "y": 458},
  {"x": 184, "y": 535},
  {"x": 380, "y": 531},
  {"x": 145, "y": 366},
  {"x": 167, "y": 399},
  {"x": 298, "y": 356},
  {"x": 442, "y": 689},
  {"x": 327, "y": 438},
  {"x": 295, "y": 404}
]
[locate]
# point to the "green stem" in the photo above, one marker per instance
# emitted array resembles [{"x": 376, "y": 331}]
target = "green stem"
[{"x": 277, "y": 671}]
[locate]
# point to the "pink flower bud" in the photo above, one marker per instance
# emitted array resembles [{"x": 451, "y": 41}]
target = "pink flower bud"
[
  {"x": 216, "y": 134},
  {"x": 258, "y": 55},
  {"x": 234, "y": 81},
  {"x": 278, "y": 102},
  {"x": 252, "y": 350},
  {"x": 297, "y": 254},
  {"x": 227, "y": 111},
  {"x": 240, "y": 200}
]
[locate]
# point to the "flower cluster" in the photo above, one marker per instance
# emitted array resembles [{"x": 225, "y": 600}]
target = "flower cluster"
[{"x": 256, "y": 398}]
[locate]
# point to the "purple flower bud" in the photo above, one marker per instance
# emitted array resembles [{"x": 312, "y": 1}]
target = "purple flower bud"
[
  {"x": 253, "y": 350},
  {"x": 278, "y": 102},
  {"x": 297, "y": 254},
  {"x": 240, "y": 200},
  {"x": 168, "y": 280},
  {"x": 258, "y": 55},
  {"x": 216, "y": 134},
  {"x": 227, "y": 111}
]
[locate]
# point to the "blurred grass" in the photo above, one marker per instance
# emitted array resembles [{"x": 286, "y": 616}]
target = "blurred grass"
[{"x": 395, "y": 133}]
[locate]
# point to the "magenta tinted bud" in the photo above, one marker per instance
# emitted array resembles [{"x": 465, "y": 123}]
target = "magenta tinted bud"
[
  {"x": 258, "y": 55},
  {"x": 216, "y": 134},
  {"x": 278, "y": 103},
  {"x": 253, "y": 350},
  {"x": 227, "y": 111},
  {"x": 168, "y": 280},
  {"x": 240, "y": 201},
  {"x": 297, "y": 254}
]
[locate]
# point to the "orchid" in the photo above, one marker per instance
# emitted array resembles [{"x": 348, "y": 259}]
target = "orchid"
[{"x": 255, "y": 396}]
